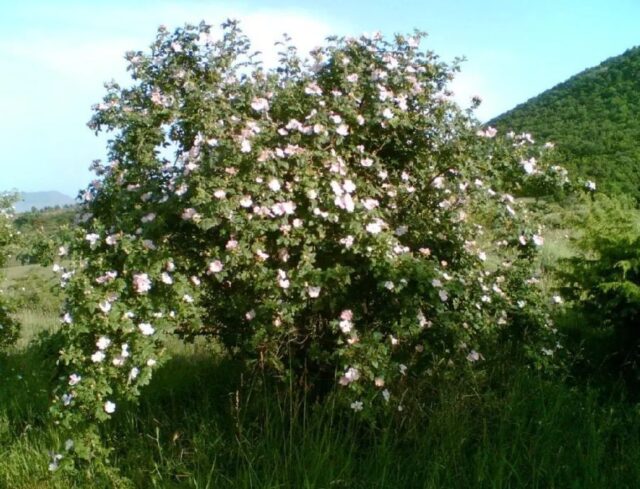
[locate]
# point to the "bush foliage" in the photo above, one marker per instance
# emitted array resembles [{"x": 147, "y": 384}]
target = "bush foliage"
[
  {"x": 335, "y": 221},
  {"x": 8, "y": 325}
]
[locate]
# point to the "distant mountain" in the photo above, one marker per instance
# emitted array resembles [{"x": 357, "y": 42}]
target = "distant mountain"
[
  {"x": 594, "y": 119},
  {"x": 40, "y": 200}
]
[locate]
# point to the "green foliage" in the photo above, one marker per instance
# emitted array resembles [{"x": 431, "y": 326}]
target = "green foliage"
[
  {"x": 43, "y": 232},
  {"x": 604, "y": 278},
  {"x": 592, "y": 119},
  {"x": 8, "y": 325},
  {"x": 324, "y": 221}
]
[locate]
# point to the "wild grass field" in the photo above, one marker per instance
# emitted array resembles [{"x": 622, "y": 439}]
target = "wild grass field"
[{"x": 193, "y": 428}]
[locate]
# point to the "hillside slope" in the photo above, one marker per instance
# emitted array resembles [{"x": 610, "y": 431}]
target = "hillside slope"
[{"x": 594, "y": 119}]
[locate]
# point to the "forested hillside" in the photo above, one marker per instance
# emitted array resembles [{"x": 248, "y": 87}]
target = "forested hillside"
[{"x": 593, "y": 118}]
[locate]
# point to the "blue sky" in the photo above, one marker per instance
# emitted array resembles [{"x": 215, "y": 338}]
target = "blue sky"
[{"x": 55, "y": 56}]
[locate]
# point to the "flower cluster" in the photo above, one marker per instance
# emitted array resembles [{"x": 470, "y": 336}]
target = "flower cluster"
[{"x": 337, "y": 211}]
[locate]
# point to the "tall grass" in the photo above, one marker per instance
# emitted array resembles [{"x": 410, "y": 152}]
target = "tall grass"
[{"x": 193, "y": 429}]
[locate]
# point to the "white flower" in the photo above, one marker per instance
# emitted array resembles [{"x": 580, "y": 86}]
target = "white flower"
[
  {"x": 219, "y": 194},
  {"x": 62, "y": 251},
  {"x": 590, "y": 185},
  {"x": 146, "y": 329},
  {"x": 215, "y": 266},
  {"x": 55, "y": 462},
  {"x": 387, "y": 113},
  {"x": 190, "y": 214},
  {"x": 66, "y": 399},
  {"x": 537, "y": 240},
  {"x": 389, "y": 285},
  {"x": 375, "y": 227},
  {"x": 403, "y": 369},
  {"x": 356, "y": 406},
  {"x": 97, "y": 357},
  {"x": 250, "y": 315},
  {"x": 166, "y": 278},
  {"x": 353, "y": 78},
  {"x": 103, "y": 343},
  {"x": 67, "y": 319},
  {"x": 274, "y": 185},
  {"x": 105, "y": 306},
  {"x": 149, "y": 217},
  {"x": 283, "y": 281},
  {"x": 342, "y": 130},
  {"x": 557, "y": 299},
  {"x": 313, "y": 291},
  {"x": 313, "y": 89},
  {"x": 246, "y": 201},
  {"x": 151, "y": 362},
  {"x": 245, "y": 146},
  {"x": 366, "y": 162},
  {"x": 443, "y": 295},
  {"x": 92, "y": 238},
  {"x": 260, "y": 104},
  {"x": 386, "y": 395},
  {"x": 473, "y": 356},
  {"x": 187, "y": 298},
  {"x": 109, "y": 407},
  {"x": 141, "y": 283},
  {"x": 351, "y": 375},
  {"x": 68, "y": 444},
  {"x": 74, "y": 379},
  {"x": 135, "y": 371},
  {"x": 347, "y": 241}
]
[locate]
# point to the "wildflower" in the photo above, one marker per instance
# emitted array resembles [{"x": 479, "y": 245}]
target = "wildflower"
[
  {"x": 386, "y": 395},
  {"x": 342, "y": 130},
  {"x": 92, "y": 238},
  {"x": 313, "y": 292},
  {"x": 98, "y": 357},
  {"x": 274, "y": 185},
  {"x": 146, "y": 329},
  {"x": 351, "y": 375},
  {"x": 356, "y": 406},
  {"x": 103, "y": 343},
  {"x": 260, "y": 104},
  {"x": 537, "y": 240},
  {"x": 135, "y": 371},
  {"x": 473, "y": 356},
  {"x": 74, "y": 379},
  {"x": 141, "y": 283},
  {"x": 590, "y": 185},
  {"x": 109, "y": 407}
]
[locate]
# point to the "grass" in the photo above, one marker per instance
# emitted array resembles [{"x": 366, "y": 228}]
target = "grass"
[{"x": 194, "y": 428}]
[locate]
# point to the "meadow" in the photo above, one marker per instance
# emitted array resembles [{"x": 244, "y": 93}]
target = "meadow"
[{"x": 194, "y": 427}]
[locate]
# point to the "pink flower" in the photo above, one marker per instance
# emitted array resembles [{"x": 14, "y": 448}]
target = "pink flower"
[
  {"x": 215, "y": 266},
  {"x": 141, "y": 283}
]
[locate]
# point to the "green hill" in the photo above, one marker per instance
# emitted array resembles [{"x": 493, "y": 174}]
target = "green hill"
[{"x": 594, "y": 120}]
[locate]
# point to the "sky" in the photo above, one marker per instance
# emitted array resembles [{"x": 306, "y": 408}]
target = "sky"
[{"x": 56, "y": 55}]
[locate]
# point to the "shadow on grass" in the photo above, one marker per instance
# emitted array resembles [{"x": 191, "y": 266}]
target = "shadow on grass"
[{"x": 194, "y": 427}]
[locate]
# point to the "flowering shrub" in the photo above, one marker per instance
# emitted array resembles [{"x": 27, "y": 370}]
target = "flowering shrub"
[
  {"x": 8, "y": 326},
  {"x": 338, "y": 219}
]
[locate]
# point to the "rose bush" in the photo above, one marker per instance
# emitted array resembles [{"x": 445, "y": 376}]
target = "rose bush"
[
  {"x": 8, "y": 325},
  {"x": 337, "y": 219}
]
